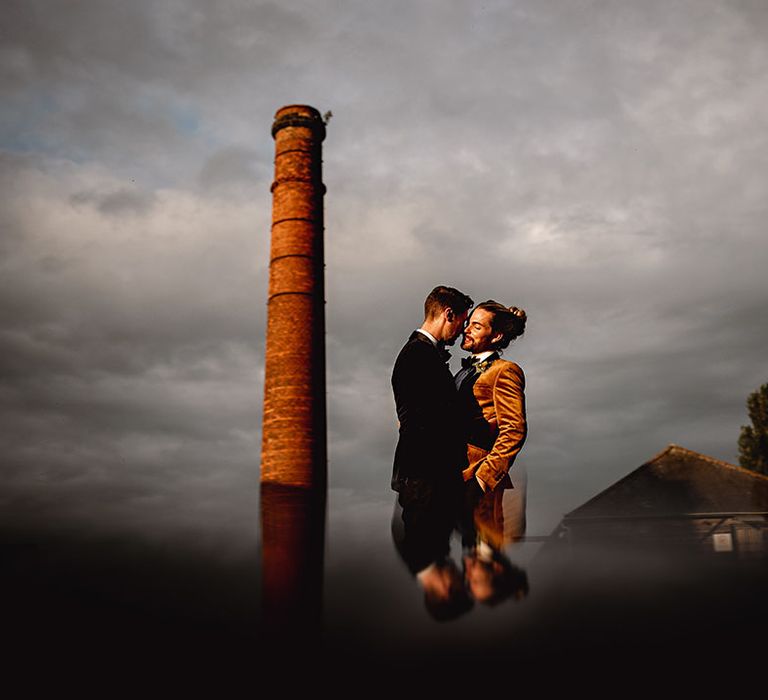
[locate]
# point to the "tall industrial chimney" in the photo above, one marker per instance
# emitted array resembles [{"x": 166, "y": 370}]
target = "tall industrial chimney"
[
  {"x": 294, "y": 427},
  {"x": 293, "y": 455}
]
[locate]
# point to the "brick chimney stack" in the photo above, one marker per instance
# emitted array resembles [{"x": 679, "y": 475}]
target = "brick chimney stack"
[{"x": 294, "y": 427}]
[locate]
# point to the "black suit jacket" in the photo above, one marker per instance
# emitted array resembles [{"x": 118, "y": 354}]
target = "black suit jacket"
[{"x": 431, "y": 444}]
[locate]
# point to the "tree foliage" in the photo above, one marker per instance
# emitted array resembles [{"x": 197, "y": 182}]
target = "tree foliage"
[{"x": 753, "y": 441}]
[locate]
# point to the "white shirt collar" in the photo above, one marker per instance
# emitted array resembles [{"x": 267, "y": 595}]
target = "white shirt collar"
[
  {"x": 429, "y": 335},
  {"x": 483, "y": 355}
]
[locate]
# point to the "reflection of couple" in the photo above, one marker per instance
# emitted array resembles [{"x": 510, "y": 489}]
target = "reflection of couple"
[{"x": 458, "y": 438}]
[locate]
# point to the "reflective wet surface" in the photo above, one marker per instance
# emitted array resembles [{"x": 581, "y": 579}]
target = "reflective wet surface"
[
  {"x": 525, "y": 600},
  {"x": 563, "y": 600}
]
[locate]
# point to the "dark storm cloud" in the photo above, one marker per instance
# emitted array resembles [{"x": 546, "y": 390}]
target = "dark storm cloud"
[
  {"x": 130, "y": 367},
  {"x": 127, "y": 86},
  {"x": 164, "y": 43},
  {"x": 601, "y": 165}
]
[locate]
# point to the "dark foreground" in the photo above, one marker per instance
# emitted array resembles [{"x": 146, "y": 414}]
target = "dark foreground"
[{"x": 81, "y": 613}]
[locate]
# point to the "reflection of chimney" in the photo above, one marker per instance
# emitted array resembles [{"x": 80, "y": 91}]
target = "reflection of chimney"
[
  {"x": 294, "y": 427},
  {"x": 293, "y": 536}
]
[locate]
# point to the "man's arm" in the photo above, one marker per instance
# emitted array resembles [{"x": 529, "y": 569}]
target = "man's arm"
[{"x": 509, "y": 404}]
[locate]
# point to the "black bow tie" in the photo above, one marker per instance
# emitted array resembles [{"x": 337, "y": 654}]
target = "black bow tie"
[
  {"x": 475, "y": 362},
  {"x": 444, "y": 354}
]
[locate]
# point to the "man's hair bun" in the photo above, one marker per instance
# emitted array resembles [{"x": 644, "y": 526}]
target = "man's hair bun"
[{"x": 507, "y": 320}]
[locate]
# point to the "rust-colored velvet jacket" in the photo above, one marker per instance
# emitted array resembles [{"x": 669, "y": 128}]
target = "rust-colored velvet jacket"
[{"x": 497, "y": 412}]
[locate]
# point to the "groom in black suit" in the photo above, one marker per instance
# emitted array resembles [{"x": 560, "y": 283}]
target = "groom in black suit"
[
  {"x": 431, "y": 454},
  {"x": 430, "y": 444}
]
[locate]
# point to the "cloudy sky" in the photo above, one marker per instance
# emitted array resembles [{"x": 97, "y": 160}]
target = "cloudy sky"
[{"x": 603, "y": 165}]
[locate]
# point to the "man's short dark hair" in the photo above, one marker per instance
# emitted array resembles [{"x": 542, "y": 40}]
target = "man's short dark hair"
[{"x": 442, "y": 297}]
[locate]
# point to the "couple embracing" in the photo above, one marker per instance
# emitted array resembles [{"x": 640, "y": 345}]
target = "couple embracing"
[{"x": 458, "y": 435}]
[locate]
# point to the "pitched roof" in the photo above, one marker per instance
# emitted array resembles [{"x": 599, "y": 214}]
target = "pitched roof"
[{"x": 679, "y": 481}]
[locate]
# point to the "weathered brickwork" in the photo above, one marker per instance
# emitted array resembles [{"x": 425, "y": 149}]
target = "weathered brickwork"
[{"x": 294, "y": 427}]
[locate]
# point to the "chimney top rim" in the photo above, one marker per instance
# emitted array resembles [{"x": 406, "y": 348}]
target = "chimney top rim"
[
  {"x": 299, "y": 115},
  {"x": 299, "y": 107}
]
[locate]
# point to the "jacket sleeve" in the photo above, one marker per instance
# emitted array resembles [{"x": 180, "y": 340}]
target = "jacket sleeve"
[{"x": 509, "y": 405}]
